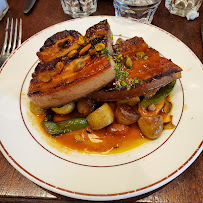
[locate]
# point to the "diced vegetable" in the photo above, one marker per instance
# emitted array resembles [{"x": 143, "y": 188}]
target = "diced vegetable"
[
  {"x": 167, "y": 118},
  {"x": 126, "y": 114},
  {"x": 78, "y": 138},
  {"x": 101, "y": 117},
  {"x": 36, "y": 109},
  {"x": 151, "y": 127},
  {"x": 65, "y": 126},
  {"x": 85, "y": 106},
  {"x": 169, "y": 126},
  {"x": 167, "y": 107},
  {"x": 151, "y": 107},
  {"x": 66, "y": 109},
  {"x": 147, "y": 113},
  {"x": 117, "y": 129},
  {"x": 161, "y": 94}
]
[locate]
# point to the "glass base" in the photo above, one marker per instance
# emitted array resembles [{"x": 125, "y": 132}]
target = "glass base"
[{"x": 80, "y": 14}]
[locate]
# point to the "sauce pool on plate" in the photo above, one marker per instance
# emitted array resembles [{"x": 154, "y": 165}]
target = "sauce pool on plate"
[{"x": 113, "y": 139}]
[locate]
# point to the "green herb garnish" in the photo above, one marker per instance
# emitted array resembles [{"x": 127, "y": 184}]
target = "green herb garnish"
[
  {"x": 117, "y": 88},
  {"x": 116, "y": 67},
  {"x": 124, "y": 83},
  {"x": 110, "y": 57},
  {"x": 121, "y": 75}
]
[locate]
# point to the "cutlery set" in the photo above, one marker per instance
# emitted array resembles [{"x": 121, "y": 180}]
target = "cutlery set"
[{"x": 13, "y": 33}]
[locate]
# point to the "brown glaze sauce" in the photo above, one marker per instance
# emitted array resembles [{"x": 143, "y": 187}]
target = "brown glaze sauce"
[
  {"x": 112, "y": 139},
  {"x": 97, "y": 142}
]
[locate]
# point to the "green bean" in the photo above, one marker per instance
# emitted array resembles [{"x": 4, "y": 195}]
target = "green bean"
[
  {"x": 65, "y": 126},
  {"x": 161, "y": 94}
]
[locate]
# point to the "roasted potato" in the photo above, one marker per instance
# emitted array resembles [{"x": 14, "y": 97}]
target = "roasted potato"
[
  {"x": 151, "y": 126},
  {"x": 101, "y": 117},
  {"x": 66, "y": 109},
  {"x": 126, "y": 114}
]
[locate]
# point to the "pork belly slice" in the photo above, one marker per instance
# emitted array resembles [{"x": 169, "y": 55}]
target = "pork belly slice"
[
  {"x": 100, "y": 30},
  {"x": 69, "y": 85},
  {"x": 146, "y": 90},
  {"x": 66, "y": 79},
  {"x": 149, "y": 72},
  {"x": 59, "y": 45}
]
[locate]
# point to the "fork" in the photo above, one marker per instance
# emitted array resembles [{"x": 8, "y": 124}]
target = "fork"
[{"x": 13, "y": 42}]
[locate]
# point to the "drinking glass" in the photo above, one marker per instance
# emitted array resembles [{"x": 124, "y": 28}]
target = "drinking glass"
[
  {"x": 79, "y": 8},
  {"x": 182, "y": 7},
  {"x": 141, "y": 10}
]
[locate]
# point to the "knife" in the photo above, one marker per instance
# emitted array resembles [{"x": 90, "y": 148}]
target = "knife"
[
  {"x": 202, "y": 31},
  {"x": 28, "y": 5}
]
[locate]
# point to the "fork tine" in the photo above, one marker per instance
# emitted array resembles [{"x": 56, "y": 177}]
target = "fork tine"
[
  {"x": 5, "y": 39},
  {"x": 15, "y": 35},
  {"x": 20, "y": 33},
  {"x": 10, "y": 37}
]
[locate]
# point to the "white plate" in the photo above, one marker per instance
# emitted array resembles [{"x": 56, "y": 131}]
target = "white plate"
[{"x": 106, "y": 177}]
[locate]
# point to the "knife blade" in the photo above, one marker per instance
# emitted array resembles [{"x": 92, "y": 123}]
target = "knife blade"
[
  {"x": 28, "y": 5},
  {"x": 202, "y": 31}
]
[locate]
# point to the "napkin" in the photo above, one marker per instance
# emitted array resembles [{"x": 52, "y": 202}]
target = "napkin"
[{"x": 192, "y": 14}]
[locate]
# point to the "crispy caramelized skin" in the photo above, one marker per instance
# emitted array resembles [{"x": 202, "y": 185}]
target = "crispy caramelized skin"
[
  {"x": 101, "y": 30},
  {"x": 59, "y": 45},
  {"x": 62, "y": 77},
  {"x": 149, "y": 72}
]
